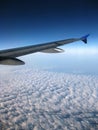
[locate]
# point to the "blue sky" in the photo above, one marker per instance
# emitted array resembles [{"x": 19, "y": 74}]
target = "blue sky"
[
  {"x": 23, "y": 22},
  {"x": 26, "y": 22}
]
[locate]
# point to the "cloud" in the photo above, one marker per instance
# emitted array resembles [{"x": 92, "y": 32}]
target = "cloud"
[
  {"x": 35, "y": 99},
  {"x": 85, "y": 50}
]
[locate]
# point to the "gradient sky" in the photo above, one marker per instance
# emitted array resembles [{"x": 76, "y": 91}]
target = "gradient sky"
[{"x": 26, "y": 22}]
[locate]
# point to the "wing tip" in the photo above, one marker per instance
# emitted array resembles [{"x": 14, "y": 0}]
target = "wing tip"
[{"x": 84, "y": 38}]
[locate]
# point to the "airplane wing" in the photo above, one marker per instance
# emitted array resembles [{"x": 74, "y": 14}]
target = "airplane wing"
[{"x": 8, "y": 56}]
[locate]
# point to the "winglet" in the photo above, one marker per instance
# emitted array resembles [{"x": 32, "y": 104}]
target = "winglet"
[{"x": 84, "y": 38}]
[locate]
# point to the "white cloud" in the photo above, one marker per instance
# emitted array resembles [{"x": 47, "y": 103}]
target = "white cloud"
[
  {"x": 33, "y": 99},
  {"x": 83, "y": 50}
]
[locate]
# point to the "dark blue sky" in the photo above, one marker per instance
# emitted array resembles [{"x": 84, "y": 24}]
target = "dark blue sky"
[{"x": 24, "y": 22}]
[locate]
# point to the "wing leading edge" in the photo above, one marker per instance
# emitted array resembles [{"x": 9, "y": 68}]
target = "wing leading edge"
[{"x": 8, "y": 57}]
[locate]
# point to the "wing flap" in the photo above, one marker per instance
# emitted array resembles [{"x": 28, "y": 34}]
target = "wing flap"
[{"x": 53, "y": 50}]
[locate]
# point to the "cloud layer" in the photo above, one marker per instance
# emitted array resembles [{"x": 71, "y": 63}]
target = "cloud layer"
[{"x": 42, "y": 100}]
